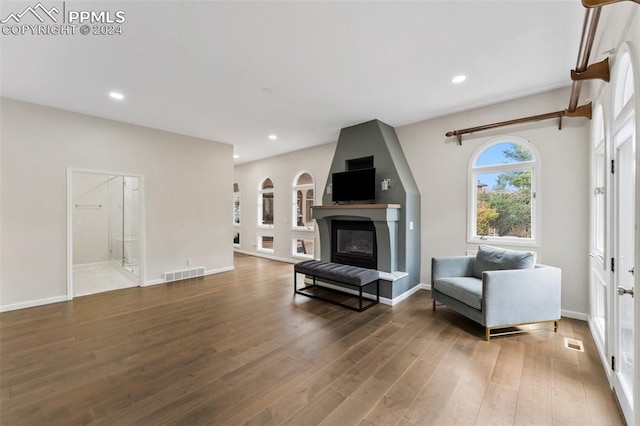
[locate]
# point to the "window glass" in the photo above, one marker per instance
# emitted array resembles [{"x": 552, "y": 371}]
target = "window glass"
[
  {"x": 303, "y": 199},
  {"x": 236, "y": 204},
  {"x": 266, "y": 198},
  {"x": 265, "y": 243},
  {"x": 503, "y": 193},
  {"x": 303, "y": 247}
]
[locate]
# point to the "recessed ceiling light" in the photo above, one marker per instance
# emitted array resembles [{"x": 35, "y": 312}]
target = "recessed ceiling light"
[
  {"x": 458, "y": 79},
  {"x": 273, "y": 137},
  {"x": 116, "y": 95},
  {"x": 236, "y": 156}
]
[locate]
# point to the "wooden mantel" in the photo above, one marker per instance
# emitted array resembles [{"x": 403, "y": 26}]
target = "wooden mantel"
[
  {"x": 358, "y": 206},
  {"x": 375, "y": 212}
]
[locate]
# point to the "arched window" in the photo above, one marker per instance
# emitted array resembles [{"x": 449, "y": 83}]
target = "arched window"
[
  {"x": 303, "y": 199},
  {"x": 302, "y": 223},
  {"x": 266, "y": 205},
  {"x": 503, "y": 196},
  {"x": 236, "y": 214},
  {"x": 236, "y": 204}
]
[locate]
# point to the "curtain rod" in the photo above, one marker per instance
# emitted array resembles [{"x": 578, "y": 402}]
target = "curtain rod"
[
  {"x": 591, "y": 18},
  {"x": 599, "y": 70},
  {"x": 581, "y": 111}
]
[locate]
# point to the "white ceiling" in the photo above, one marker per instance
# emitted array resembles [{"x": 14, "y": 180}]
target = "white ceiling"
[{"x": 235, "y": 72}]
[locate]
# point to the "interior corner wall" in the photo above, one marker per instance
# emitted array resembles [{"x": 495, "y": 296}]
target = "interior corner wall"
[
  {"x": 188, "y": 194},
  {"x": 282, "y": 170},
  {"x": 440, "y": 167}
]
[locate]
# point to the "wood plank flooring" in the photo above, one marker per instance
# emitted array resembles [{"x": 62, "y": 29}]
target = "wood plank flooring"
[{"x": 239, "y": 348}]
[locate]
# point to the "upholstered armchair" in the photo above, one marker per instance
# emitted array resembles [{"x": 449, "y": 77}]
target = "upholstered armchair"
[{"x": 498, "y": 289}]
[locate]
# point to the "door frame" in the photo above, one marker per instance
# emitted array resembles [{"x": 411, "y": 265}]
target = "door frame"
[
  {"x": 598, "y": 262},
  {"x": 626, "y": 48},
  {"x": 619, "y": 138},
  {"x": 141, "y": 218}
]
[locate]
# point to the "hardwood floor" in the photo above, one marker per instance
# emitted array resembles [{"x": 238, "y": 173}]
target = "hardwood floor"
[{"x": 239, "y": 348}]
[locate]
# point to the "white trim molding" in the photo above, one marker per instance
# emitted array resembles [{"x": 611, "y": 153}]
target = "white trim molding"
[
  {"x": 33, "y": 303},
  {"x": 574, "y": 315}
]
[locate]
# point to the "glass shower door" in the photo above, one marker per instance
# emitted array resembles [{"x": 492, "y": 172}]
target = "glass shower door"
[
  {"x": 131, "y": 225},
  {"x": 124, "y": 222},
  {"x": 116, "y": 219}
]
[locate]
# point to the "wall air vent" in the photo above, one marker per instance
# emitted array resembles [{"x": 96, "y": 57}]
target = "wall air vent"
[{"x": 184, "y": 274}]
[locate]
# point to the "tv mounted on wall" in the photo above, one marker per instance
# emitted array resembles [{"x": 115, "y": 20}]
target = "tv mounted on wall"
[{"x": 354, "y": 185}]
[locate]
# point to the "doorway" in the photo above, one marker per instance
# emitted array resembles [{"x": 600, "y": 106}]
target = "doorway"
[{"x": 104, "y": 232}]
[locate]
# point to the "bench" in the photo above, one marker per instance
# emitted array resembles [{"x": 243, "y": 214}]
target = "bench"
[{"x": 351, "y": 276}]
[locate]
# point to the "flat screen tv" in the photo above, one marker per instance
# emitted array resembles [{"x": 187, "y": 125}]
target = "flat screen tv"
[{"x": 354, "y": 185}]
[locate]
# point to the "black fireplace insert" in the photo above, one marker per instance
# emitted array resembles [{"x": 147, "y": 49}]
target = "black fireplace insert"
[{"x": 354, "y": 243}]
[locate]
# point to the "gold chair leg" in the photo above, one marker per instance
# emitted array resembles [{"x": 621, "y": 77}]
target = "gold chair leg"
[{"x": 487, "y": 335}]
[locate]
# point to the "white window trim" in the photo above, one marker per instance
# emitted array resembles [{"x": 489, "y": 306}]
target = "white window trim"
[
  {"x": 260, "y": 194},
  {"x": 239, "y": 210},
  {"x": 259, "y": 243},
  {"x": 599, "y": 147},
  {"x": 294, "y": 207},
  {"x": 294, "y": 247},
  {"x": 536, "y": 183}
]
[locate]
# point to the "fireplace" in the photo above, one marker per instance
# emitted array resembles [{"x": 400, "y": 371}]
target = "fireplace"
[{"x": 354, "y": 243}]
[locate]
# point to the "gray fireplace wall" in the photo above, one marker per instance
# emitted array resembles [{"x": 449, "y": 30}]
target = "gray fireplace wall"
[{"x": 377, "y": 139}]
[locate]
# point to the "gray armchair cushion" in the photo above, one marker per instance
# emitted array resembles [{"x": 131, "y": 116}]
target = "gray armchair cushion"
[
  {"x": 467, "y": 290},
  {"x": 496, "y": 259}
]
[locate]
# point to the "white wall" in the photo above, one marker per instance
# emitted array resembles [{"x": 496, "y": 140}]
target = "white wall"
[
  {"x": 440, "y": 167},
  {"x": 188, "y": 194},
  {"x": 90, "y": 223},
  {"x": 282, "y": 170}
]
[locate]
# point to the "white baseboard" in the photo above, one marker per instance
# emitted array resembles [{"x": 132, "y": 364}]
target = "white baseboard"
[
  {"x": 33, "y": 303},
  {"x": 207, "y": 272},
  {"x": 574, "y": 315},
  {"x": 409, "y": 293}
]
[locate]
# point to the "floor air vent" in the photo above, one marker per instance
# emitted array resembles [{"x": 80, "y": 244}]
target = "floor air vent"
[
  {"x": 184, "y": 274},
  {"x": 574, "y": 344}
]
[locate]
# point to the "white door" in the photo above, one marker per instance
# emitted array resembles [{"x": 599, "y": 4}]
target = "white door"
[{"x": 623, "y": 274}]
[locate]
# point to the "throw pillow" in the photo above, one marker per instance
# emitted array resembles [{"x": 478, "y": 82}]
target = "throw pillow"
[{"x": 494, "y": 259}]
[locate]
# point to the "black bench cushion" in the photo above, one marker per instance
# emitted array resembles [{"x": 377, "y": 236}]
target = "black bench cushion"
[{"x": 347, "y": 274}]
